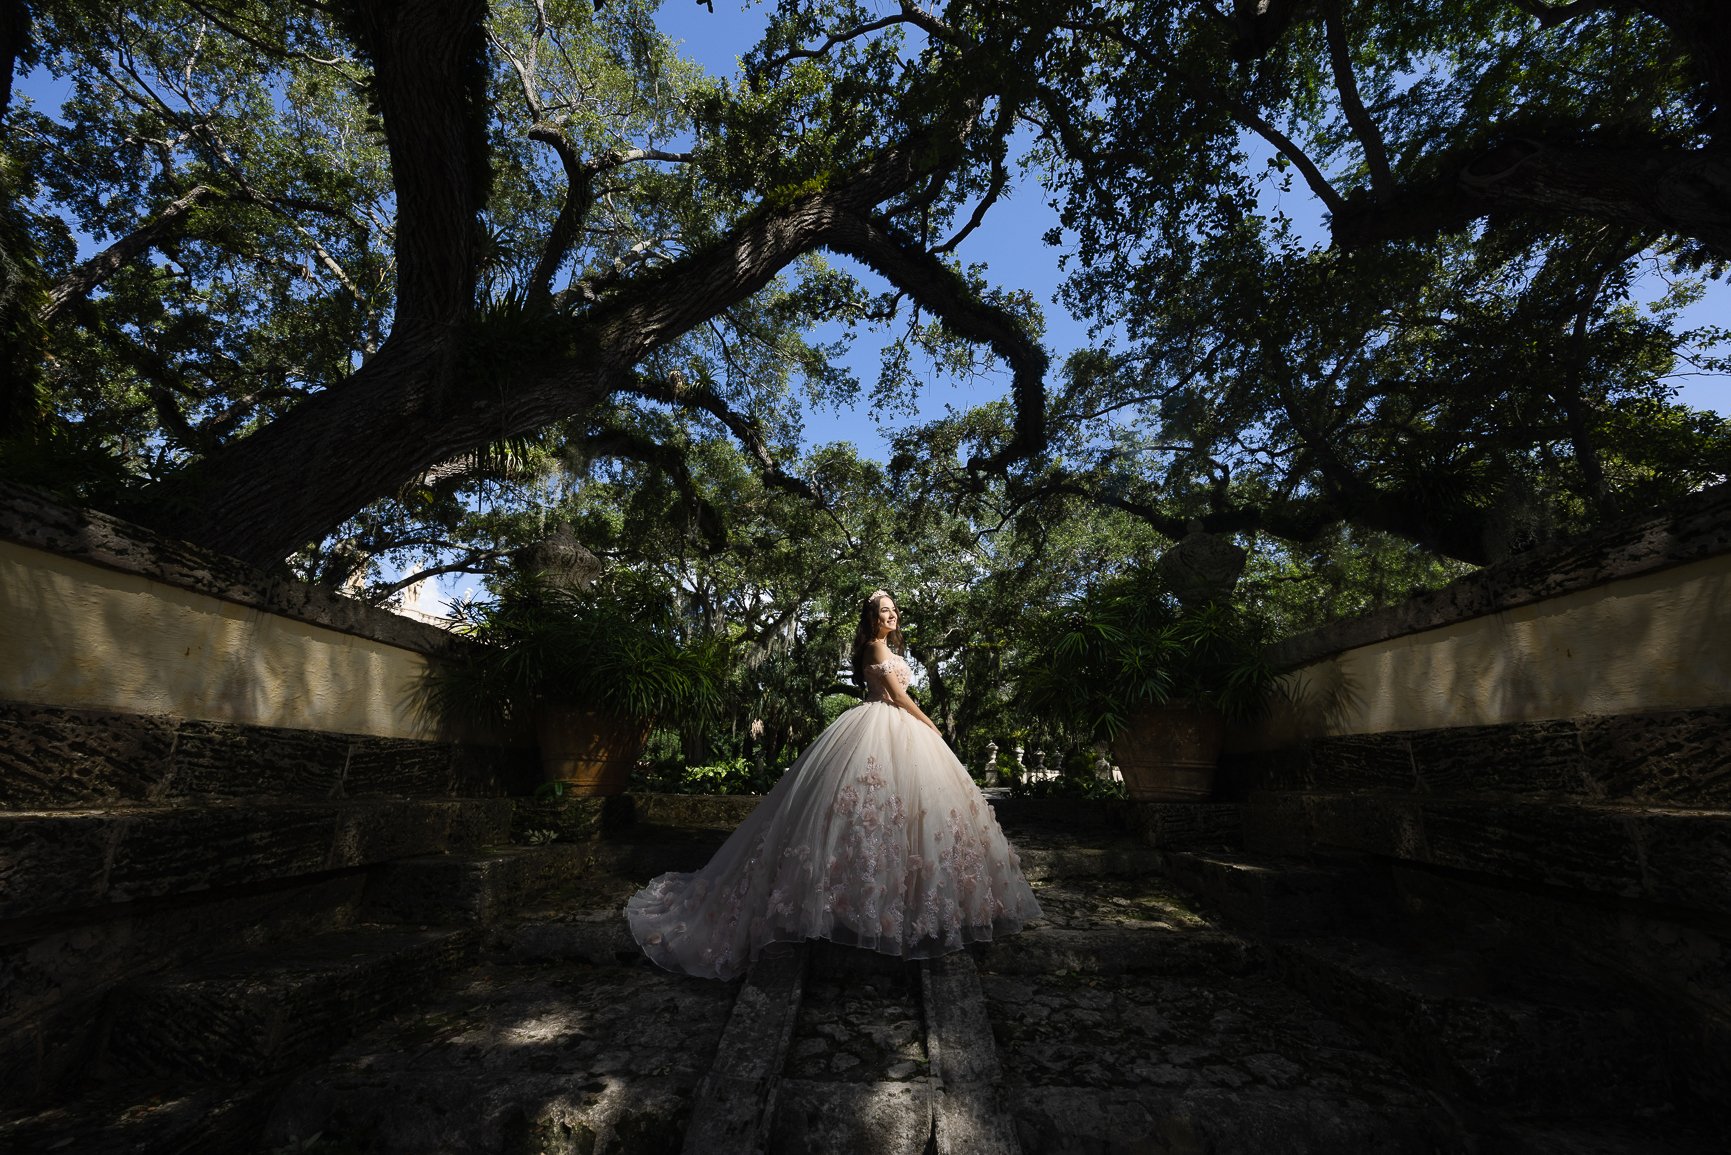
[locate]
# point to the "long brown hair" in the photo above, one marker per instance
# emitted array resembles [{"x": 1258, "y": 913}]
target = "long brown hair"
[{"x": 866, "y": 631}]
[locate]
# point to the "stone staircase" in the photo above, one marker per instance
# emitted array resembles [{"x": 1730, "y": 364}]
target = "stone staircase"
[
  {"x": 202, "y": 956},
  {"x": 1526, "y": 1052},
  {"x": 1181, "y": 994},
  {"x": 1125, "y": 1020}
]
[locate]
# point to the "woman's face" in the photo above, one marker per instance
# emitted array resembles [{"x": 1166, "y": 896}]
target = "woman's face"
[{"x": 887, "y": 617}]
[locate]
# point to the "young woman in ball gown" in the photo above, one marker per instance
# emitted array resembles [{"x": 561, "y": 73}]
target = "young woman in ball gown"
[{"x": 876, "y": 837}]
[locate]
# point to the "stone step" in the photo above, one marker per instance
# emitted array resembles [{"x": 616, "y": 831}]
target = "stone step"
[
  {"x": 557, "y": 1057},
  {"x": 58, "y": 970},
  {"x": 1679, "y": 857},
  {"x": 582, "y": 921},
  {"x": 820, "y": 1117},
  {"x": 1657, "y": 1136},
  {"x": 970, "y": 1114},
  {"x": 884, "y": 1055},
  {"x": 472, "y": 887},
  {"x": 65, "y": 860},
  {"x": 1188, "y": 825},
  {"x": 641, "y": 853},
  {"x": 1082, "y": 814},
  {"x": 1269, "y": 895},
  {"x": 144, "y": 1119},
  {"x": 1104, "y": 925},
  {"x": 1492, "y": 1036},
  {"x": 1197, "y": 1061},
  {"x": 257, "y": 1012},
  {"x": 1050, "y": 859},
  {"x": 735, "y": 1105}
]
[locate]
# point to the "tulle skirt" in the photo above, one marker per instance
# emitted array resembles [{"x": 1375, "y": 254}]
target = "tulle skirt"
[{"x": 876, "y": 837}]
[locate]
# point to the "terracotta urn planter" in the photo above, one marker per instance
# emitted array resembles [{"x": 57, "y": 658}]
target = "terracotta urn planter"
[
  {"x": 590, "y": 753},
  {"x": 1169, "y": 753}
]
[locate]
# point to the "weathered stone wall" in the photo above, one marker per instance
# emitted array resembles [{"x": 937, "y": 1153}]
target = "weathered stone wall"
[
  {"x": 1539, "y": 756},
  {"x": 140, "y": 670},
  {"x": 126, "y": 631},
  {"x": 1636, "y": 619},
  {"x": 197, "y": 757}
]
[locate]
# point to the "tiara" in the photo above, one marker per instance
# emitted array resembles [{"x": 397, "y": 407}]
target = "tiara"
[{"x": 877, "y": 594}]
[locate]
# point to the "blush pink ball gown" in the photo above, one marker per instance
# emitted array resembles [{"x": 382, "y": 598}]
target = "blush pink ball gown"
[{"x": 875, "y": 837}]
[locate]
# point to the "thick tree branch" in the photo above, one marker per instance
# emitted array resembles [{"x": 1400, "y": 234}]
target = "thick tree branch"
[
  {"x": 615, "y": 442},
  {"x": 474, "y": 562},
  {"x": 1351, "y": 104},
  {"x": 580, "y": 176},
  {"x": 432, "y": 392},
  {"x": 1656, "y": 189},
  {"x": 939, "y": 288},
  {"x": 89, "y": 276},
  {"x": 678, "y": 391},
  {"x": 14, "y": 47},
  {"x": 429, "y": 85}
]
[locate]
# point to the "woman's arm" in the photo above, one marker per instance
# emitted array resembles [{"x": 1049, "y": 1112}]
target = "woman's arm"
[{"x": 893, "y": 689}]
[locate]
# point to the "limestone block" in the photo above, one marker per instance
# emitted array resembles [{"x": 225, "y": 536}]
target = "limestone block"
[
  {"x": 1533, "y": 1047},
  {"x": 1371, "y": 762},
  {"x": 52, "y": 983},
  {"x": 567, "y": 819},
  {"x": 1079, "y": 813},
  {"x": 51, "y": 756},
  {"x": 65, "y": 860},
  {"x": 257, "y": 1012},
  {"x": 226, "y": 760},
  {"x": 1043, "y": 862},
  {"x": 1686, "y": 858},
  {"x": 474, "y": 822},
  {"x": 1674, "y": 758},
  {"x": 57, "y": 757},
  {"x": 173, "y": 851},
  {"x": 400, "y": 766},
  {"x": 466, "y": 888},
  {"x": 1563, "y": 845},
  {"x": 1179, "y": 825},
  {"x": 1275, "y": 823},
  {"x": 53, "y": 860},
  {"x": 1677, "y": 968},
  {"x": 1518, "y": 758},
  {"x": 1371, "y": 823},
  {"x": 714, "y": 811},
  {"x": 1274, "y": 896}
]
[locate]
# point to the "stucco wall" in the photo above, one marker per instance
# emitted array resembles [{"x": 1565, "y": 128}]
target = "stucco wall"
[
  {"x": 80, "y": 635},
  {"x": 1654, "y": 642}
]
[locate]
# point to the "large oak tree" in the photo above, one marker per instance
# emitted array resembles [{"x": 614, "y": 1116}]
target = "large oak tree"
[{"x": 443, "y": 346}]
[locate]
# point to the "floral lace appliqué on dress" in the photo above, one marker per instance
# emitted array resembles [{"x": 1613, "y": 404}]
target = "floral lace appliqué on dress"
[{"x": 876, "y": 837}]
